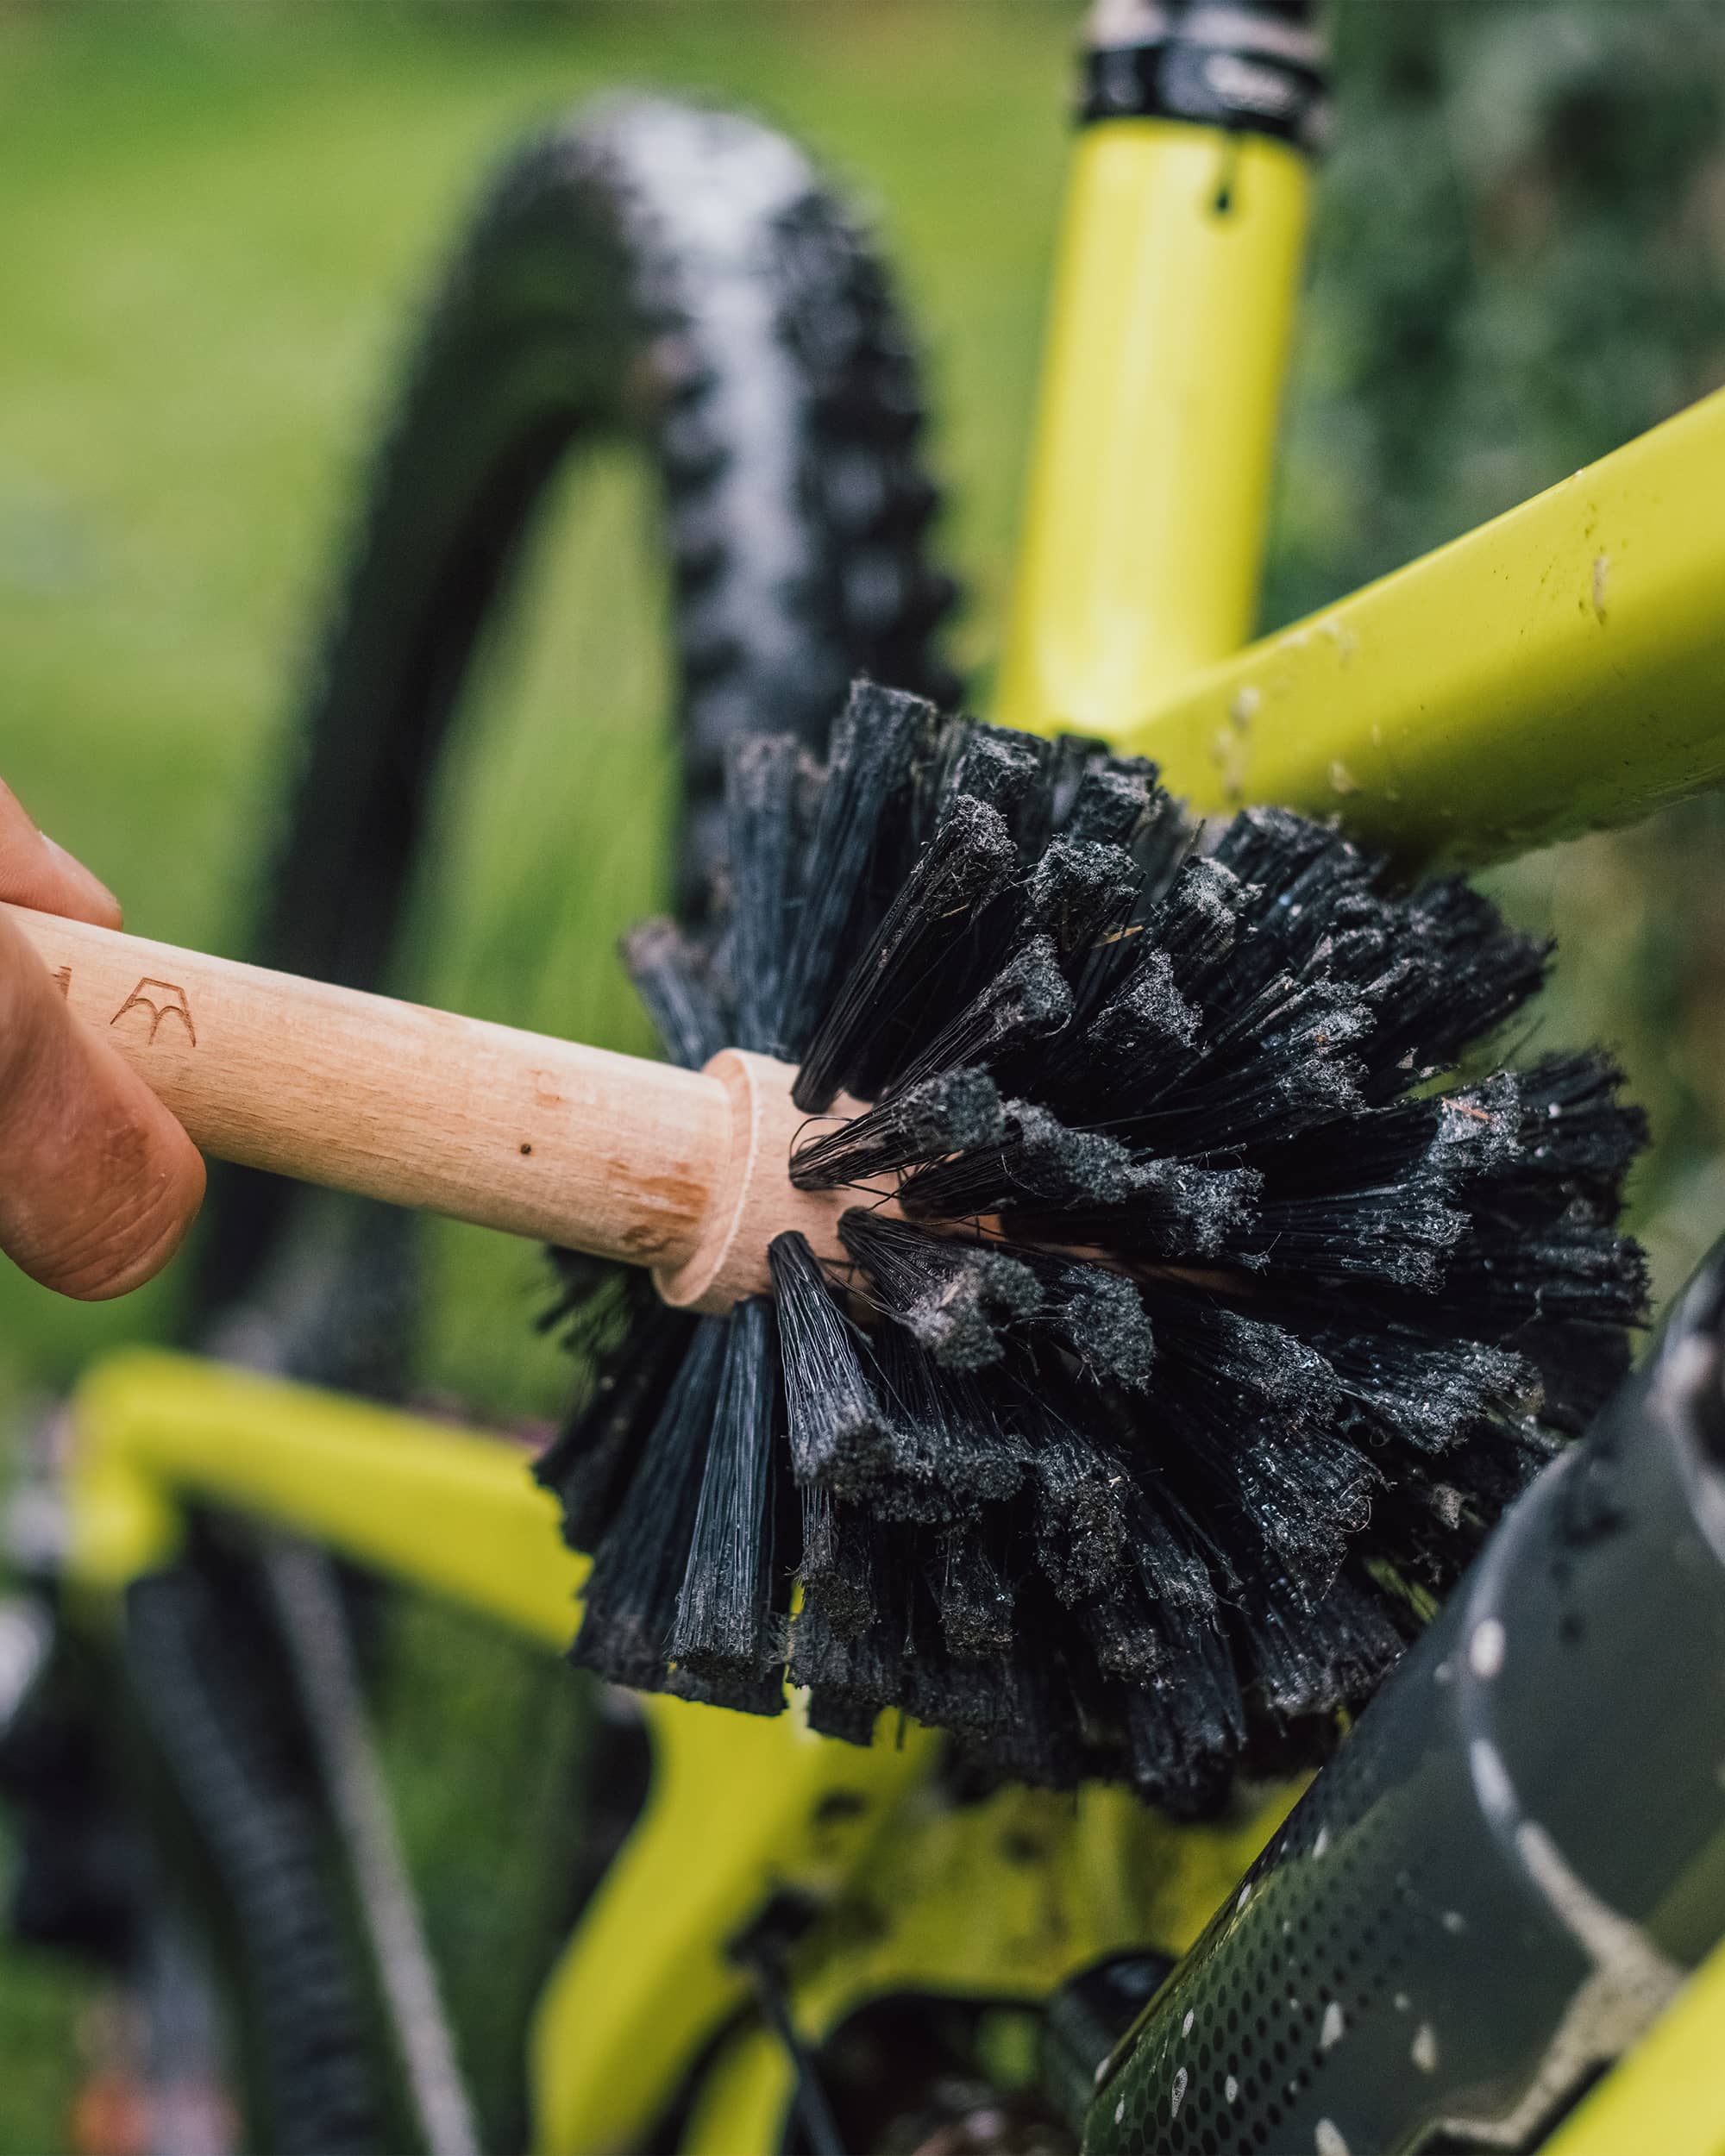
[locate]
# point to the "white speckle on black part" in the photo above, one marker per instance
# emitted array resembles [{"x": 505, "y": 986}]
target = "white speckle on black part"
[
  {"x": 1442, "y": 1674},
  {"x": 1186, "y": 2025},
  {"x": 1453, "y": 1920},
  {"x": 1177, "y": 2096},
  {"x": 1491, "y": 1782},
  {"x": 1328, "y": 2141},
  {"x": 1403, "y": 2003},
  {"x": 1243, "y": 1897},
  {"x": 1334, "y": 2026},
  {"x": 1231, "y": 2090},
  {"x": 1613, "y": 1941},
  {"x": 1485, "y": 1648},
  {"x": 1322, "y": 1843},
  {"x": 1424, "y": 2050},
  {"x": 1119, "y": 2110}
]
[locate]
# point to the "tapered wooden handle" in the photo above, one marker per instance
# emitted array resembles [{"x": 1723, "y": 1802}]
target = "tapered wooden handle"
[{"x": 609, "y": 1153}]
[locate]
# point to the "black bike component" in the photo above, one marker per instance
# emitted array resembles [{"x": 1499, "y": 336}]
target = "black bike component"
[
  {"x": 1085, "y": 2020},
  {"x": 80, "y": 1881},
  {"x": 230, "y": 1753},
  {"x": 1514, "y": 1859},
  {"x": 1255, "y": 66},
  {"x": 935, "y": 2073},
  {"x": 819, "y": 2127},
  {"x": 652, "y": 272}
]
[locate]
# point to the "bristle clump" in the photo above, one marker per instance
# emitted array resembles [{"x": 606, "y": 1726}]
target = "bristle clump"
[{"x": 1194, "y": 1316}]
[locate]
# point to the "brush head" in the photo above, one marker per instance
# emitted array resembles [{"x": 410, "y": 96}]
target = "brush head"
[{"x": 1189, "y": 1318}]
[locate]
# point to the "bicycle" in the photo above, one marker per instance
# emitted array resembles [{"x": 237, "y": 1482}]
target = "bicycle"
[{"x": 1150, "y": 476}]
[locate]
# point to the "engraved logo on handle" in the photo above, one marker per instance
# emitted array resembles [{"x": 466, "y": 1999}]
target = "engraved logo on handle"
[{"x": 162, "y": 1000}]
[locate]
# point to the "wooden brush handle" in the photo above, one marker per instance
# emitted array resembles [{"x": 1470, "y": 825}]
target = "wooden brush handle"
[{"x": 608, "y": 1154}]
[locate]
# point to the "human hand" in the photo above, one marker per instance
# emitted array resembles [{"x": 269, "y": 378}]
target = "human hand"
[{"x": 98, "y": 1183}]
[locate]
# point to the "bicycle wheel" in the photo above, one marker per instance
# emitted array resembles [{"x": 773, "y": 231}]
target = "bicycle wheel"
[{"x": 664, "y": 420}]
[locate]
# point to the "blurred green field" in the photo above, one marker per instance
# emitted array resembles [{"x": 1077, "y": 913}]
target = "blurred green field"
[{"x": 219, "y": 221}]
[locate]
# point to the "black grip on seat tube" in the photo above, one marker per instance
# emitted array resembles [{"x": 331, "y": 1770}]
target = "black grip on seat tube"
[{"x": 1519, "y": 1852}]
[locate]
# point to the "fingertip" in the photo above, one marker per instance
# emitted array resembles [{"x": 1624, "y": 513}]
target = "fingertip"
[
  {"x": 98, "y": 1182},
  {"x": 85, "y": 896},
  {"x": 141, "y": 1239}
]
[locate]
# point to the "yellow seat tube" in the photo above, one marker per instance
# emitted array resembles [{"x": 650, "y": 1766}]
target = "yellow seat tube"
[{"x": 1150, "y": 473}]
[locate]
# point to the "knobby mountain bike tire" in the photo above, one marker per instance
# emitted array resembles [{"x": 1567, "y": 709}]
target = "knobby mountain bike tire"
[{"x": 683, "y": 281}]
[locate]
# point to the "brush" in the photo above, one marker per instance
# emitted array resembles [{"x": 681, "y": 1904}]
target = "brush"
[
  {"x": 1075, "y": 1280},
  {"x": 1201, "y": 1296}
]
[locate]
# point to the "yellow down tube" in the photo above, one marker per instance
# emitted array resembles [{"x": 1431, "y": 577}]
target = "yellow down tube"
[
  {"x": 1144, "y": 523},
  {"x": 1561, "y": 668}
]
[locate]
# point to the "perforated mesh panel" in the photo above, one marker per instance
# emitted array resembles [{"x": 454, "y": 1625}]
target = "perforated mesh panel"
[
  {"x": 1419, "y": 1958},
  {"x": 1321, "y": 1953}
]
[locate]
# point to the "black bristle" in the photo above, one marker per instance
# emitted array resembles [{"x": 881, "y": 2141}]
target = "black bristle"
[
  {"x": 856, "y": 1666},
  {"x": 1026, "y": 1000},
  {"x": 958, "y": 1447},
  {"x": 1185, "y": 1730},
  {"x": 875, "y": 1009},
  {"x": 974, "y": 1594},
  {"x": 870, "y": 763},
  {"x": 631, "y": 1592},
  {"x": 1574, "y": 1138},
  {"x": 1031, "y": 1159},
  {"x": 1117, "y": 800},
  {"x": 588, "y": 1464},
  {"x": 1083, "y": 1505},
  {"x": 1196, "y": 1318},
  {"x": 837, "y": 1426},
  {"x": 761, "y": 787},
  {"x": 1130, "y": 1048},
  {"x": 954, "y": 1298},
  {"x": 1177, "y": 1214},
  {"x": 841, "y": 1563},
  {"x": 1080, "y": 892},
  {"x": 1465, "y": 974},
  {"x": 1098, "y": 1316},
  {"x": 1427, "y": 1393},
  {"x": 1581, "y": 1365},
  {"x": 671, "y": 982},
  {"x": 993, "y": 764},
  {"x": 956, "y": 1111},
  {"x": 726, "y": 1632}
]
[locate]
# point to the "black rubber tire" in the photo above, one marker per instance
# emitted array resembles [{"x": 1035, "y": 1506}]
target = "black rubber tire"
[
  {"x": 682, "y": 279},
  {"x": 219, "y": 1716}
]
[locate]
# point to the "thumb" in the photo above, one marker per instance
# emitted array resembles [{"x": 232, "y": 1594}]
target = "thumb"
[{"x": 98, "y": 1183}]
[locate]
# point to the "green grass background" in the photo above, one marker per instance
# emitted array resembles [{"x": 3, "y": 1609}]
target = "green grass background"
[{"x": 219, "y": 218}]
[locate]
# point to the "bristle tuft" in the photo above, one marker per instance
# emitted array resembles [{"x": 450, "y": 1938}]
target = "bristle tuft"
[{"x": 954, "y": 1298}]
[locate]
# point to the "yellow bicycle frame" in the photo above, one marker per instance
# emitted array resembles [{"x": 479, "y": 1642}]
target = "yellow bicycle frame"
[{"x": 1558, "y": 667}]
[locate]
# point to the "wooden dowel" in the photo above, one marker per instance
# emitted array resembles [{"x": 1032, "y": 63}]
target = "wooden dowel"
[{"x": 608, "y": 1154}]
